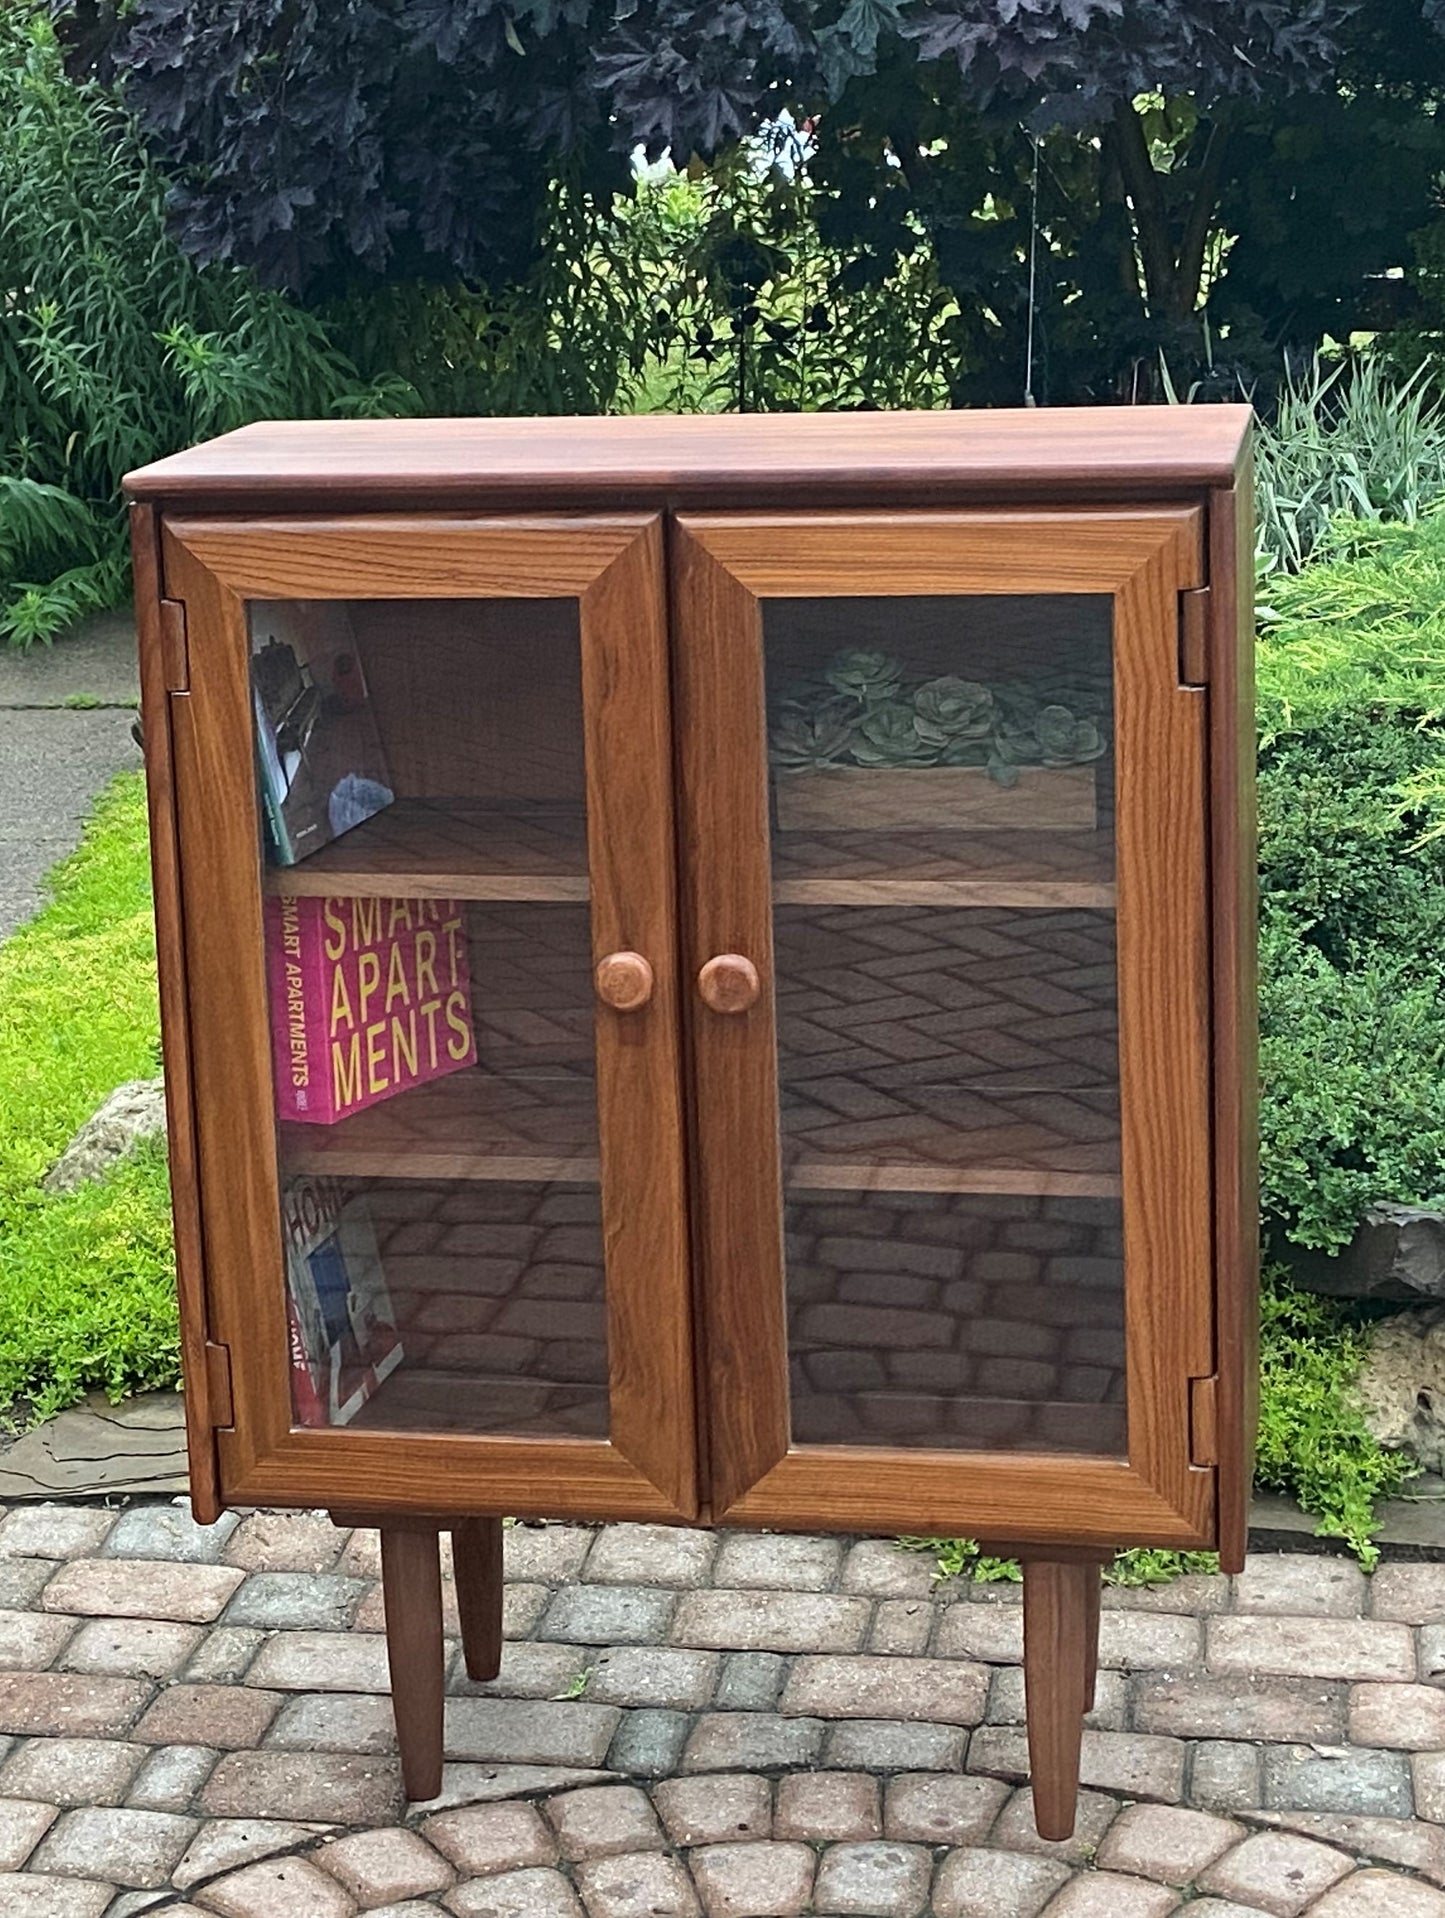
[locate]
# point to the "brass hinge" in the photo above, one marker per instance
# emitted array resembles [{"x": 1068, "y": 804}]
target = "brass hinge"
[
  {"x": 218, "y": 1383},
  {"x": 175, "y": 647},
  {"x": 1204, "y": 1420},
  {"x": 1194, "y": 637}
]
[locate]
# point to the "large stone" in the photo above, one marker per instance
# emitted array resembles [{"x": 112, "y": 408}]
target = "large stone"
[
  {"x": 1398, "y": 1252},
  {"x": 1401, "y": 1386},
  {"x": 134, "y": 1111}
]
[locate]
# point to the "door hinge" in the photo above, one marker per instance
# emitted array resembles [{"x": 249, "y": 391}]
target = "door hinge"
[
  {"x": 218, "y": 1383},
  {"x": 1194, "y": 637},
  {"x": 175, "y": 646},
  {"x": 1204, "y": 1420}
]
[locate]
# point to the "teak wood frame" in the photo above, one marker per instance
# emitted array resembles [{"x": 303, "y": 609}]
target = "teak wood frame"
[
  {"x": 698, "y": 1413},
  {"x": 613, "y": 567}
]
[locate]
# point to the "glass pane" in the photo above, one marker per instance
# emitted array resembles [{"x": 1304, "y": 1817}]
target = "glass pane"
[
  {"x": 943, "y": 873},
  {"x": 420, "y": 771}
]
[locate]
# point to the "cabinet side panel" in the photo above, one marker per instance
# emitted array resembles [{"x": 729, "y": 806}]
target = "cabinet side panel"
[
  {"x": 175, "y": 1026},
  {"x": 1236, "y": 1004}
]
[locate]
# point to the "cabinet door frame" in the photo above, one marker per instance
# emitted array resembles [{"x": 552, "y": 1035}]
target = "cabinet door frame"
[
  {"x": 614, "y": 567},
  {"x": 724, "y": 565}
]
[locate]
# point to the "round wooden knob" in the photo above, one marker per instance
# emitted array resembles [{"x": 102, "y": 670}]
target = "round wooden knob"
[
  {"x": 729, "y": 983},
  {"x": 624, "y": 981}
]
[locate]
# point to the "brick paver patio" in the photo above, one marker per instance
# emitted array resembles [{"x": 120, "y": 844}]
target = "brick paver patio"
[{"x": 196, "y": 1722}]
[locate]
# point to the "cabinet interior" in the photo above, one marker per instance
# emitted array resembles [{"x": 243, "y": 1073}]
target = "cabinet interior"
[{"x": 948, "y": 1053}]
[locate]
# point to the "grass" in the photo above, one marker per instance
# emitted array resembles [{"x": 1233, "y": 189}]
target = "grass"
[{"x": 86, "y": 1278}]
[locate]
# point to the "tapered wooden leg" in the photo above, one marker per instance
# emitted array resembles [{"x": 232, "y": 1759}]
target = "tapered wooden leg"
[
  {"x": 1061, "y": 1626},
  {"x": 1093, "y": 1602},
  {"x": 411, "y": 1582},
  {"x": 477, "y": 1557}
]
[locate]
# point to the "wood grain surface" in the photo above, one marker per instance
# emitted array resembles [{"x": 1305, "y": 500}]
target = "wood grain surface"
[
  {"x": 1235, "y": 903},
  {"x": 1144, "y": 558},
  {"x": 1061, "y": 1651},
  {"x": 615, "y": 569},
  {"x": 157, "y": 699},
  {"x": 1015, "y": 1498},
  {"x": 935, "y": 799},
  {"x": 411, "y": 1583},
  {"x": 1181, "y": 1078},
  {"x": 726, "y": 908},
  {"x": 811, "y": 459}
]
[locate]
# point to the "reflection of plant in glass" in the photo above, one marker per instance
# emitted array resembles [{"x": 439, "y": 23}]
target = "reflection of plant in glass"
[
  {"x": 1067, "y": 741},
  {"x": 950, "y": 708},
  {"x": 864, "y": 710},
  {"x": 866, "y": 677},
  {"x": 889, "y": 736},
  {"x": 809, "y": 739}
]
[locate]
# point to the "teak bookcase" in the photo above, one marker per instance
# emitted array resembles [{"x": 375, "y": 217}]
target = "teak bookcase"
[{"x": 851, "y": 819}]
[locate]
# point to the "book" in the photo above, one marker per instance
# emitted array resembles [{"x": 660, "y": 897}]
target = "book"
[
  {"x": 319, "y": 759},
  {"x": 341, "y": 1324},
  {"x": 369, "y": 997}
]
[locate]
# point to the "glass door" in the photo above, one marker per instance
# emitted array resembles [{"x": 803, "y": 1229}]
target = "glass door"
[
  {"x": 947, "y": 927},
  {"x": 428, "y": 883}
]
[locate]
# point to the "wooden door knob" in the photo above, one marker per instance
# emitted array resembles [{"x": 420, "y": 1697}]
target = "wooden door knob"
[
  {"x": 729, "y": 983},
  {"x": 624, "y": 981}
]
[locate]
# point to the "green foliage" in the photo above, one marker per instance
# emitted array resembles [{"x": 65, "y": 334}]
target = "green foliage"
[
  {"x": 1145, "y": 1565},
  {"x": 1353, "y": 439},
  {"x": 87, "y": 1298},
  {"x": 1352, "y": 866},
  {"x": 1362, "y": 630},
  {"x": 755, "y": 309},
  {"x": 114, "y": 349},
  {"x": 1313, "y": 1443},
  {"x": 1148, "y": 1565}
]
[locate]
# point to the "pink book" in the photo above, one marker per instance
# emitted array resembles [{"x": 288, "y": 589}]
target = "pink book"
[{"x": 369, "y": 997}]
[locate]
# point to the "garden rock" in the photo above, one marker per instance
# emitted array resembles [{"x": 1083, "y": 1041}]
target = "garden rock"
[
  {"x": 1398, "y": 1252},
  {"x": 1402, "y": 1385},
  {"x": 133, "y": 1112}
]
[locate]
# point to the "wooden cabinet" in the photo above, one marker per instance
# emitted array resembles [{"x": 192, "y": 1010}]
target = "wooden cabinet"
[{"x": 792, "y": 1013}]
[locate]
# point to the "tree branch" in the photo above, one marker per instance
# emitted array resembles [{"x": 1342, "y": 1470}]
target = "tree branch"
[
  {"x": 1201, "y": 219},
  {"x": 1151, "y": 221}
]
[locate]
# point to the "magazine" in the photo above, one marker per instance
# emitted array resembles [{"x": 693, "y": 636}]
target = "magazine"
[
  {"x": 342, "y": 1328},
  {"x": 368, "y": 998},
  {"x": 319, "y": 757}
]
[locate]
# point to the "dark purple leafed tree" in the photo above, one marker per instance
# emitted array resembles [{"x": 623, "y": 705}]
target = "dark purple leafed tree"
[{"x": 328, "y": 143}]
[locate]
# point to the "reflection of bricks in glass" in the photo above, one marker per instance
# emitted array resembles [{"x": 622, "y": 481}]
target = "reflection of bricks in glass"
[
  {"x": 963, "y": 1320},
  {"x": 950, "y": 1038},
  {"x": 499, "y": 1297}
]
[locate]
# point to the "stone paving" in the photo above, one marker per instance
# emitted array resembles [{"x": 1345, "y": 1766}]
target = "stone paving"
[{"x": 692, "y": 1726}]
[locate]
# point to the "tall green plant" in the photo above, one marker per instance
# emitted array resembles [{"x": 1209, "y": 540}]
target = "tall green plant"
[
  {"x": 114, "y": 348},
  {"x": 1352, "y": 439}
]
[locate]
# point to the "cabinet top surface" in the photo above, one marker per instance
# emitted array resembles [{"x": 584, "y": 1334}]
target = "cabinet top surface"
[{"x": 695, "y": 460}]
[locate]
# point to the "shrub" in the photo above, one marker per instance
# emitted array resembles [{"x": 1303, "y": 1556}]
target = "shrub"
[
  {"x": 1313, "y": 1442},
  {"x": 1352, "y": 991},
  {"x": 114, "y": 349}
]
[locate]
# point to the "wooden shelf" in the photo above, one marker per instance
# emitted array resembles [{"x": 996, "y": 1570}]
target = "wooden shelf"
[
  {"x": 425, "y": 849},
  {"x": 952, "y": 1139},
  {"x": 1073, "y": 869},
  {"x": 958, "y": 1423},
  {"x": 541, "y": 1127},
  {"x": 529, "y": 1127},
  {"x": 420, "y": 1399},
  {"x": 458, "y": 850}
]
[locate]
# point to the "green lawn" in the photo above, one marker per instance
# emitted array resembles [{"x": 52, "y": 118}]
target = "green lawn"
[{"x": 86, "y": 1278}]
